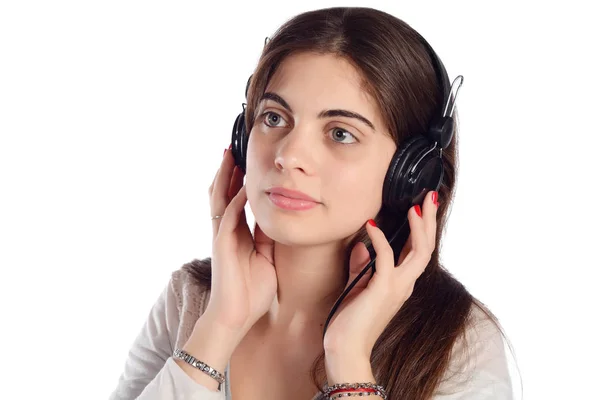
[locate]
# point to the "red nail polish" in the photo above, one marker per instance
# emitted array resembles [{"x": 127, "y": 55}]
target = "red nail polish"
[
  {"x": 434, "y": 197},
  {"x": 229, "y": 147},
  {"x": 372, "y": 222},
  {"x": 418, "y": 210}
]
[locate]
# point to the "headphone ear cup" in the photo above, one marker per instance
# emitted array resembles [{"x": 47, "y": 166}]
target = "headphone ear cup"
[
  {"x": 392, "y": 186},
  {"x": 239, "y": 141},
  {"x": 404, "y": 187}
]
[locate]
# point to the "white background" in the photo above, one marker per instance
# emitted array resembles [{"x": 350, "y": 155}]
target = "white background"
[{"x": 113, "y": 120}]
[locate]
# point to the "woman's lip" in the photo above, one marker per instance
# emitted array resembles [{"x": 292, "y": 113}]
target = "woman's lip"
[
  {"x": 291, "y": 204},
  {"x": 292, "y": 194}
]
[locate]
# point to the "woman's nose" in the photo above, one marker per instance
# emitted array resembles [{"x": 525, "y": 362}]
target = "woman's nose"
[{"x": 296, "y": 151}]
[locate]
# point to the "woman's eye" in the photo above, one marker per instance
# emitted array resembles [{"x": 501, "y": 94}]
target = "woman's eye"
[
  {"x": 339, "y": 133},
  {"x": 273, "y": 119}
]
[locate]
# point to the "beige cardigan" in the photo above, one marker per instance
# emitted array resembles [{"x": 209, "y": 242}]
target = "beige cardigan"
[{"x": 151, "y": 374}]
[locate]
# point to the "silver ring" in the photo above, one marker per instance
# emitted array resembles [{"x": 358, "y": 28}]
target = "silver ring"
[{"x": 216, "y": 217}]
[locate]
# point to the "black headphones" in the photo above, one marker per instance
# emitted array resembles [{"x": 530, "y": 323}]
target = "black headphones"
[{"x": 416, "y": 167}]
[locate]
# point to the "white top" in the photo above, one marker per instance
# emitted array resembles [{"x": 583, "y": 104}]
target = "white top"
[{"x": 150, "y": 373}]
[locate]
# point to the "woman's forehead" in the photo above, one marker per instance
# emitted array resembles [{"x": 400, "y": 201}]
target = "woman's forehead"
[
  {"x": 317, "y": 69},
  {"x": 330, "y": 82}
]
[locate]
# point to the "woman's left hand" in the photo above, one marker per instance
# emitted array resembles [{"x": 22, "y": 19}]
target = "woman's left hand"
[{"x": 371, "y": 304}]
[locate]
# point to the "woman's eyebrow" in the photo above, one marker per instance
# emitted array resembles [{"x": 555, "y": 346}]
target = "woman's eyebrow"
[{"x": 323, "y": 114}]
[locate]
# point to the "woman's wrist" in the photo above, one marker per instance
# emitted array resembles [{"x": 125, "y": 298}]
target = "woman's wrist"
[
  {"x": 212, "y": 344},
  {"x": 346, "y": 367}
]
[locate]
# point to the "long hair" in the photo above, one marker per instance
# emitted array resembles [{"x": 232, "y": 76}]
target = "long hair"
[{"x": 413, "y": 352}]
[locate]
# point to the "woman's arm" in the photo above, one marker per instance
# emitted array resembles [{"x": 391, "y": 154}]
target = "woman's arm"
[
  {"x": 150, "y": 372},
  {"x": 478, "y": 367},
  {"x": 173, "y": 383},
  {"x": 347, "y": 367},
  {"x": 150, "y": 349}
]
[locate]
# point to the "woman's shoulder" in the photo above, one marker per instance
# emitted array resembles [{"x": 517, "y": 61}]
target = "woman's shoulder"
[
  {"x": 192, "y": 280},
  {"x": 190, "y": 286},
  {"x": 478, "y": 360}
]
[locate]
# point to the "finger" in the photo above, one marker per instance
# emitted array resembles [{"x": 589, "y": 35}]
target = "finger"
[
  {"x": 236, "y": 183},
  {"x": 219, "y": 200},
  {"x": 359, "y": 258},
  {"x": 216, "y": 223},
  {"x": 430, "y": 216},
  {"x": 420, "y": 254},
  {"x": 405, "y": 250},
  {"x": 210, "y": 188},
  {"x": 264, "y": 244},
  {"x": 384, "y": 263},
  {"x": 231, "y": 217}
]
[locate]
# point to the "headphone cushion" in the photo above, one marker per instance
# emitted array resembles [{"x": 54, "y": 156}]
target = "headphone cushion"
[
  {"x": 239, "y": 141},
  {"x": 403, "y": 154}
]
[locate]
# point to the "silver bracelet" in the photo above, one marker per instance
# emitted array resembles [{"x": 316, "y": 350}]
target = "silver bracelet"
[{"x": 188, "y": 358}]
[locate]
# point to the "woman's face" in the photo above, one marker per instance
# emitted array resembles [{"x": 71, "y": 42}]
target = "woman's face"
[{"x": 298, "y": 142}]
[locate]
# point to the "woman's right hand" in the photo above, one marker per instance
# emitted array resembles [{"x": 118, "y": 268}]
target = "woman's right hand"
[{"x": 244, "y": 282}]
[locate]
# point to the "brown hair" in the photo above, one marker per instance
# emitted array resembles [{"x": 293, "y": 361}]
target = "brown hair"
[{"x": 413, "y": 352}]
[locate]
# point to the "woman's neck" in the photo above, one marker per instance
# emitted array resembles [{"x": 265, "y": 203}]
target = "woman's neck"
[{"x": 310, "y": 279}]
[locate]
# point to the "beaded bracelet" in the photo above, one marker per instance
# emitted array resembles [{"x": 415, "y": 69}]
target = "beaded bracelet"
[
  {"x": 354, "y": 390},
  {"x": 353, "y": 394},
  {"x": 213, "y": 373}
]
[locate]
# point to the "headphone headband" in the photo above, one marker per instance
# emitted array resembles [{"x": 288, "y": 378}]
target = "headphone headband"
[{"x": 441, "y": 126}]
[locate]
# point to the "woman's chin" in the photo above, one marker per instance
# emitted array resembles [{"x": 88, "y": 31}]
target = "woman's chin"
[{"x": 288, "y": 233}]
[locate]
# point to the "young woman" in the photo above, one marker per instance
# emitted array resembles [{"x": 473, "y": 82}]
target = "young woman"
[{"x": 335, "y": 94}]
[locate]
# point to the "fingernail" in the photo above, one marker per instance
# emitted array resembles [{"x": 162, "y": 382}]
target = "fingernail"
[
  {"x": 434, "y": 197},
  {"x": 418, "y": 210},
  {"x": 229, "y": 147},
  {"x": 224, "y": 151},
  {"x": 372, "y": 222}
]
